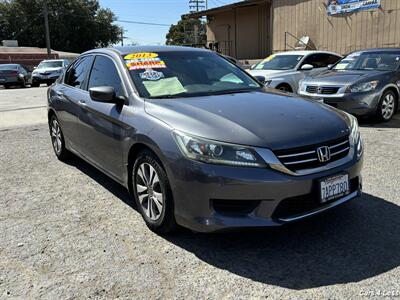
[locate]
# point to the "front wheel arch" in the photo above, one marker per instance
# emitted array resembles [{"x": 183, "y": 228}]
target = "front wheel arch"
[{"x": 284, "y": 87}]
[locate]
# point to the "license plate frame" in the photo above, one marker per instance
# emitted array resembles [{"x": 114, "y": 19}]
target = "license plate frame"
[{"x": 334, "y": 187}]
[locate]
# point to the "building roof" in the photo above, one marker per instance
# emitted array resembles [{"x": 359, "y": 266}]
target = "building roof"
[
  {"x": 34, "y": 50},
  {"x": 227, "y": 7}
]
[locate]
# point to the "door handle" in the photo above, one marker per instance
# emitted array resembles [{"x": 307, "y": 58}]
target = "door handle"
[
  {"x": 59, "y": 93},
  {"x": 82, "y": 102}
]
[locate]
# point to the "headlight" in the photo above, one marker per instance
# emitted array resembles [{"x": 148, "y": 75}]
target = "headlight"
[
  {"x": 364, "y": 87},
  {"x": 302, "y": 86},
  {"x": 356, "y": 138},
  {"x": 214, "y": 152}
]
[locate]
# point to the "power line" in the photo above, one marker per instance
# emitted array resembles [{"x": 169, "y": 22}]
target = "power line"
[{"x": 143, "y": 23}]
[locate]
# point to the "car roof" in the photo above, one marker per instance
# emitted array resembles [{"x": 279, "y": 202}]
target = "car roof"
[
  {"x": 135, "y": 49},
  {"x": 304, "y": 52},
  {"x": 46, "y": 60},
  {"x": 373, "y": 50},
  {"x": 9, "y": 65}
]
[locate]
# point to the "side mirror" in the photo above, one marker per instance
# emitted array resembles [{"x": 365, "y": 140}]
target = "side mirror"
[
  {"x": 34, "y": 68},
  {"x": 104, "y": 94},
  {"x": 252, "y": 67},
  {"x": 306, "y": 67},
  {"x": 260, "y": 78},
  {"x": 330, "y": 66}
]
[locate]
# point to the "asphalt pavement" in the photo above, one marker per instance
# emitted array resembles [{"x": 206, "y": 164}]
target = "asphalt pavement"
[{"x": 68, "y": 231}]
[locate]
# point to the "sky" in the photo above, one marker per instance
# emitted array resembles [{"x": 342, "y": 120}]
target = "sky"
[{"x": 151, "y": 11}]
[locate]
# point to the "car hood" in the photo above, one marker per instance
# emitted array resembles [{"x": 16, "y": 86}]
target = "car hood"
[
  {"x": 263, "y": 119},
  {"x": 343, "y": 77},
  {"x": 271, "y": 73},
  {"x": 43, "y": 70}
]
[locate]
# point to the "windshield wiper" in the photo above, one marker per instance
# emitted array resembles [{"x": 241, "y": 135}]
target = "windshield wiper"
[
  {"x": 234, "y": 91},
  {"x": 171, "y": 96}
]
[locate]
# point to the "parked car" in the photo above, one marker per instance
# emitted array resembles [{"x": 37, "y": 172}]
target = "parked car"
[
  {"x": 48, "y": 71},
  {"x": 364, "y": 84},
  {"x": 14, "y": 75},
  {"x": 199, "y": 142},
  {"x": 284, "y": 70}
]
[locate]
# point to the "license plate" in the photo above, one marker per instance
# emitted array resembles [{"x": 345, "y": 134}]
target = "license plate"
[{"x": 334, "y": 187}]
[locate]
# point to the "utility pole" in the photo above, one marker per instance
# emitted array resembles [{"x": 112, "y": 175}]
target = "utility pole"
[
  {"x": 197, "y": 5},
  {"x": 122, "y": 36},
  {"x": 46, "y": 25}
]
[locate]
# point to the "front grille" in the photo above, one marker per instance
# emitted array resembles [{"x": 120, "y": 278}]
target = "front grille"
[
  {"x": 291, "y": 207},
  {"x": 304, "y": 158},
  {"x": 236, "y": 207},
  {"x": 324, "y": 90}
]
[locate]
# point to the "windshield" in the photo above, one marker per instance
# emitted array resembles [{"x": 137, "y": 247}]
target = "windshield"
[
  {"x": 50, "y": 64},
  {"x": 370, "y": 61},
  {"x": 186, "y": 73},
  {"x": 8, "y": 67},
  {"x": 279, "y": 62}
]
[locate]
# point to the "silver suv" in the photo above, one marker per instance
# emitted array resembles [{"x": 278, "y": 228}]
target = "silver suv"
[{"x": 284, "y": 70}]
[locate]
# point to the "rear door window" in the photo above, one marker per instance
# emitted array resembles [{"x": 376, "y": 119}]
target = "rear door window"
[{"x": 77, "y": 74}]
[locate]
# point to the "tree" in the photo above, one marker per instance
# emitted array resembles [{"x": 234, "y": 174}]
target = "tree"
[
  {"x": 183, "y": 33},
  {"x": 75, "y": 25}
]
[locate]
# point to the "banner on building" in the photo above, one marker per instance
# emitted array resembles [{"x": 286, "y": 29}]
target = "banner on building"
[{"x": 348, "y": 6}]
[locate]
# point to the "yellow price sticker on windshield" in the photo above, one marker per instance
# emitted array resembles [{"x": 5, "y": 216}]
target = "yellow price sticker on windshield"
[
  {"x": 141, "y": 55},
  {"x": 269, "y": 58}
]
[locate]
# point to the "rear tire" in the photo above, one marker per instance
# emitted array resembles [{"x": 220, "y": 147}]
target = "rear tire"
[
  {"x": 57, "y": 139},
  {"x": 152, "y": 193},
  {"x": 387, "y": 106}
]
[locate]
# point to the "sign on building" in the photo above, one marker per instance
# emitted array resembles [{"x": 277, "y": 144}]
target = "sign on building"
[{"x": 347, "y": 6}]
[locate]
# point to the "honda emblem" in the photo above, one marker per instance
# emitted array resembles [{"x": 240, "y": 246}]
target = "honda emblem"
[{"x": 324, "y": 154}]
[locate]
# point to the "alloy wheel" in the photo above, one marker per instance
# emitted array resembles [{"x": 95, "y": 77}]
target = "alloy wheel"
[
  {"x": 149, "y": 191},
  {"x": 56, "y": 136},
  {"x": 387, "y": 107}
]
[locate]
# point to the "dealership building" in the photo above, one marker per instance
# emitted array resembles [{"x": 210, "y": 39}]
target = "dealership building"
[{"x": 253, "y": 29}]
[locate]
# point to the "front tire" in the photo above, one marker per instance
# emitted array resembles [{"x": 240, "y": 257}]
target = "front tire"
[
  {"x": 152, "y": 193},
  {"x": 387, "y": 106},
  {"x": 57, "y": 139}
]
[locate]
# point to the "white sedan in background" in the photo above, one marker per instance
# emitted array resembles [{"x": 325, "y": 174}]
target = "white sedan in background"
[{"x": 284, "y": 70}]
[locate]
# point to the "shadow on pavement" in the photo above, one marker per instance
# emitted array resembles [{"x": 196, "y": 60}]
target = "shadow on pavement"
[
  {"x": 353, "y": 242},
  {"x": 394, "y": 123}
]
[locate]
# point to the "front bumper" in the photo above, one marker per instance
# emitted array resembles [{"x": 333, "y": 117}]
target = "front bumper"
[
  {"x": 359, "y": 104},
  {"x": 214, "y": 197},
  {"x": 44, "y": 79}
]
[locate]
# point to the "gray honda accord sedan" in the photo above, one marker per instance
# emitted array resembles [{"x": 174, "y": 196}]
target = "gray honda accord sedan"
[
  {"x": 199, "y": 142},
  {"x": 365, "y": 83}
]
